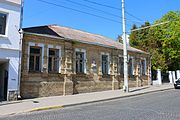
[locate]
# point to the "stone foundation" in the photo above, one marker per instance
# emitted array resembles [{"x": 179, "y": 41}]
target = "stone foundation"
[{"x": 12, "y": 96}]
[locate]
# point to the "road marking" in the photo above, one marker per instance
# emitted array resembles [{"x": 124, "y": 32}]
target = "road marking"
[{"x": 45, "y": 108}]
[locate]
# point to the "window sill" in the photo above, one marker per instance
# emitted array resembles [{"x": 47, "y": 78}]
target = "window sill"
[{"x": 3, "y": 36}]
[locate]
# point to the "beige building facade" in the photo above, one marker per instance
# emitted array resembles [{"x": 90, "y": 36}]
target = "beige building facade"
[{"x": 58, "y": 60}]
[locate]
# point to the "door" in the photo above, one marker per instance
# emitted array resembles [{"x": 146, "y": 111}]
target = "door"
[{"x": 5, "y": 84}]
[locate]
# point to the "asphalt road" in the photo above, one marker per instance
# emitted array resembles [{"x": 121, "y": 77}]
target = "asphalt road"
[{"x": 154, "y": 106}]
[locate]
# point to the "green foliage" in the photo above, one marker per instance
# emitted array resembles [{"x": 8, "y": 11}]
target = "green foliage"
[{"x": 162, "y": 41}]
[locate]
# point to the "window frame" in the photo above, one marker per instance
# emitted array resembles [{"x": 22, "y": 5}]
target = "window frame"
[
  {"x": 108, "y": 63},
  {"x": 6, "y": 26},
  {"x": 131, "y": 71},
  {"x": 31, "y": 44},
  {"x": 143, "y": 68},
  {"x": 58, "y": 48},
  {"x": 121, "y": 65},
  {"x": 35, "y": 56},
  {"x": 84, "y": 61}
]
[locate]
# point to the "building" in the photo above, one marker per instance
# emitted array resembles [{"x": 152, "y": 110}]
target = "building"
[
  {"x": 9, "y": 48},
  {"x": 59, "y": 60}
]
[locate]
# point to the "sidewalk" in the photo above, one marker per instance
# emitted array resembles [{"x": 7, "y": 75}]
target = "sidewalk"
[{"x": 45, "y": 103}]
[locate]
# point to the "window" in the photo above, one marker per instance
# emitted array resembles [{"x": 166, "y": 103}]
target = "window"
[
  {"x": 35, "y": 59},
  {"x": 80, "y": 62},
  {"x": 104, "y": 64},
  {"x": 53, "y": 60},
  {"x": 3, "y": 18},
  {"x": 143, "y": 67},
  {"x": 130, "y": 66},
  {"x": 121, "y": 65}
]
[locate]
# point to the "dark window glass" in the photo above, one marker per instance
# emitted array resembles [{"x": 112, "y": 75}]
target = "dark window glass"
[
  {"x": 3, "y": 18},
  {"x": 31, "y": 63},
  {"x": 104, "y": 64},
  {"x": 121, "y": 65},
  {"x": 143, "y": 67},
  {"x": 79, "y": 62},
  {"x": 130, "y": 66}
]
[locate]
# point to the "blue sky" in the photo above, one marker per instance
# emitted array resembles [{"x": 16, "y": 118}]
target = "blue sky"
[{"x": 37, "y": 13}]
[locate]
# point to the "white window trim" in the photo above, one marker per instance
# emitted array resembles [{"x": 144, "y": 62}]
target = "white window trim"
[
  {"x": 85, "y": 66},
  {"x": 7, "y": 24},
  {"x": 31, "y": 44},
  {"x": 109, "y": 69},
  {"x": 55, "y": 47}
]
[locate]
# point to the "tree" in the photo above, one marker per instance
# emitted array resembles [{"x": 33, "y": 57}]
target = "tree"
[{"x": 162, "y": 41}]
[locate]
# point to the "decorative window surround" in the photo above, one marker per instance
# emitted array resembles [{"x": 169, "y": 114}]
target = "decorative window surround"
[
  {"x": 85, "y": 60},
  {"x": 59, "y": 50},
  {"x": 31, "y": 44},
  {"x": 103, "y": 53}
]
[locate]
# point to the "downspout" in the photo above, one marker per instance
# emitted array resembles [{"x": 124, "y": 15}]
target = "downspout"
[{"x": 20, "y": 48}]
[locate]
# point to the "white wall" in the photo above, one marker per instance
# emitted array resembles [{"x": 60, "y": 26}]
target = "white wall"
[
  {"x": 13, "y": 57},
  {"x": 12, "y": 37},
  {"x": 9, "y": 43}
]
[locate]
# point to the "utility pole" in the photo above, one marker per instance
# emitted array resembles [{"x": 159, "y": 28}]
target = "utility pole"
[
  {"x": 125, "y": 87},
  {"x": 20, "y": 46}
]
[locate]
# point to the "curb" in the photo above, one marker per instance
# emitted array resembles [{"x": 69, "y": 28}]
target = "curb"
[
  {"x": 108, "y": 99},
  {"x": 95, "y": 101}
]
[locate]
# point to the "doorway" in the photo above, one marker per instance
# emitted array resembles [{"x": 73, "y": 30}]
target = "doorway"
[
  {"x": 3, "y": 81},
  {"x": 5, "y": 84}
]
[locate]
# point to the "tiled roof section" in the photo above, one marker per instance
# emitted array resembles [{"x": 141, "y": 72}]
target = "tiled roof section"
[{"x": 81, "y": 36}]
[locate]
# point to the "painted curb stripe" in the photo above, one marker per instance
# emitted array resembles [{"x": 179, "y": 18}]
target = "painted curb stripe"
[{"x": 45, "y": 108}]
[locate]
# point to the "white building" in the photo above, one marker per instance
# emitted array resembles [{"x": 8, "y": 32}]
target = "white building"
[{"x": 9, "y": 48}]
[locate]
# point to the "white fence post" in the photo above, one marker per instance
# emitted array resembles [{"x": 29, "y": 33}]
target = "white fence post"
[
  {"x": 178, "y": 74},
  {"x": 170, "y": 77},
  {"x": 159, "y": 77},
  {"x": 174, "y": 76}
]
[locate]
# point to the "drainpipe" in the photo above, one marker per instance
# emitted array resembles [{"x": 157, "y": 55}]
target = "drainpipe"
[{"x": 20, "y": 47}]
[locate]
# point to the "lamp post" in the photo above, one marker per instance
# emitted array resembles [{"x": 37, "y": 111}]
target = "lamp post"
[{"x": 125, "y": 87}]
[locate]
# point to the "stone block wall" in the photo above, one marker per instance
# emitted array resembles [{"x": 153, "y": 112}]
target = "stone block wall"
[{"x": 68, "y": 82}]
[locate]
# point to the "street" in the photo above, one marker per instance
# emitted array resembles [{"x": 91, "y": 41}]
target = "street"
[{"x": 154, "y": 106}]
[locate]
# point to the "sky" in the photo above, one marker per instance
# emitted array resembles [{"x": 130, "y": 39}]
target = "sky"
[{"x": 91, "y": 16}]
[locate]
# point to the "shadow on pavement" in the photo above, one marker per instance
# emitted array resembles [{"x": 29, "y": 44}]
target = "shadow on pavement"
[{"x": 138, "y": 89}]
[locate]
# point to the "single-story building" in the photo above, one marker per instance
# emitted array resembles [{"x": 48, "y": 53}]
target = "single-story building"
[{"x": 58, "y": 60}]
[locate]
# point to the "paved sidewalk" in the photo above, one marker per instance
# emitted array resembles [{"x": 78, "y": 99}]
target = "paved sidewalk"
[{"x": 70, "y": 100}]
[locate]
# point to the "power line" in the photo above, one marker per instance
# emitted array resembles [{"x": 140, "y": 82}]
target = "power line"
[
  {"x": 134, "y": 16},
  {"x": 58, "y": 5},
  {"x": 102, "y": 4},
  {"x": 108, "y": 6},
  {"x": 93, "y": 8},
  {"x": 100, "y": 10}
]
